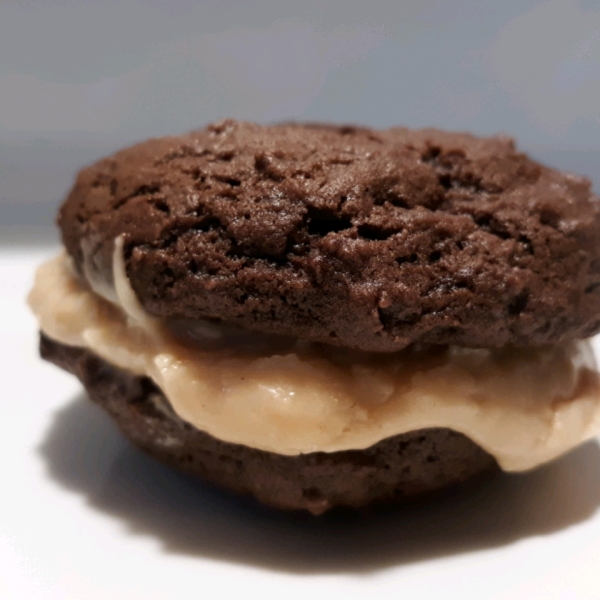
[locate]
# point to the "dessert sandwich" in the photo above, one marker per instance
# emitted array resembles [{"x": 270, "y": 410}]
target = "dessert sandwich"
[{"x": 326, "y": 316}]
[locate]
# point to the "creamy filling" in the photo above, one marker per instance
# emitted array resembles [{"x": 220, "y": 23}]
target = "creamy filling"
[{"x": 523, "y": 406}]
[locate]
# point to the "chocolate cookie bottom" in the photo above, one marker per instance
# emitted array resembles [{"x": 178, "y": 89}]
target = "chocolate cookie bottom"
[{"x": 393, "y": 470}]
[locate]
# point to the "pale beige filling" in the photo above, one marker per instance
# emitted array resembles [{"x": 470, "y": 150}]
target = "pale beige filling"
[{"x": 524, "y": 407}]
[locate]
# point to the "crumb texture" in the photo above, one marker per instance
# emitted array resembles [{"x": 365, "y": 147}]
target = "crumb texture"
[
  {"x": 355, "y": 237},
  {"x": 400, "y": 468}
]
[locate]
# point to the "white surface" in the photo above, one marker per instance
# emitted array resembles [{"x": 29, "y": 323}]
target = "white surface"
[{"x": 85, "y": 516}]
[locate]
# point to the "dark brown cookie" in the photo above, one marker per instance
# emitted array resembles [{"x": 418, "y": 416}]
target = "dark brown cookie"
[
  {"x": 360, "y": 238},
  {"x": 396, "y": 469}
]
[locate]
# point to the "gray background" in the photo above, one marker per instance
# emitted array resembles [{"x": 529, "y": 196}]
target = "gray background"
[{"x": 79, "y": 79}]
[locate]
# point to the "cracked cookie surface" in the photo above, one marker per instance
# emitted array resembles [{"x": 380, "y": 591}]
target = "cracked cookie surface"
[{"x": 365, "y": 239}]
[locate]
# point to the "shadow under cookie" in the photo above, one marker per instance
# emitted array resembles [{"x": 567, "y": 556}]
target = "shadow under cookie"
[{"x": 84, "y": 452}]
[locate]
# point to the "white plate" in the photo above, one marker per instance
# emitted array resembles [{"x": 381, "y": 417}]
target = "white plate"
[{"x": 86, "y": 516}]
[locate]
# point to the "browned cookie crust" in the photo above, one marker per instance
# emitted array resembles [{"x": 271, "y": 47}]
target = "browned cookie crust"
[
  {"x": 393, "y": 470},
  {"x": 361, "y": 238}
]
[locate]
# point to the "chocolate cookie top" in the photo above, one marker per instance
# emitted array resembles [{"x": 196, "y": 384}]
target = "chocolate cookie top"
[{"x": 355, "y": 237}]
